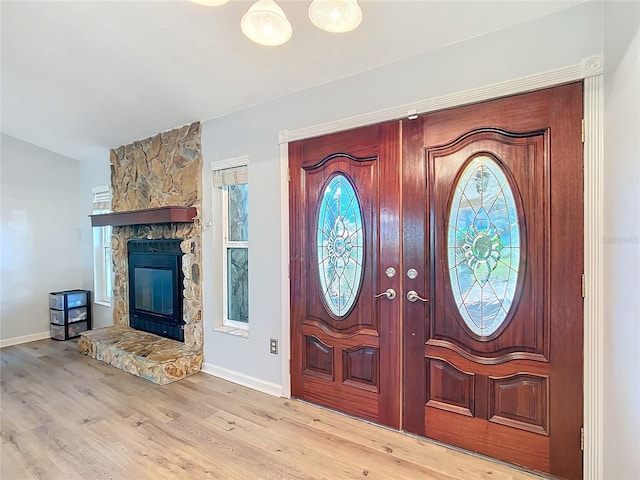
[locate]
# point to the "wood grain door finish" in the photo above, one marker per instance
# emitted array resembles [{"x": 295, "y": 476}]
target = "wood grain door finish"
[
  {"x": 479, "y": 211},
  {"x": 493, "y": 362},
  {"x": 345, "y": 336}
]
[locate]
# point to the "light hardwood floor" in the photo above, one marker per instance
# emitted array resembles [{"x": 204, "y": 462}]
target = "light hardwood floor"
[{"x": 67, "y": 416}]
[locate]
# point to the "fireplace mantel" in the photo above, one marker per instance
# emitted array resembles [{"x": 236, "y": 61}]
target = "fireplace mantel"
[{"x": 145, "y": 217}]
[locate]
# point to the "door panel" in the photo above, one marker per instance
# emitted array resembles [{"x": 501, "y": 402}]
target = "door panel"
[
  {"x": 345, "y": 338},
  {"x": 496, "y": 376}
]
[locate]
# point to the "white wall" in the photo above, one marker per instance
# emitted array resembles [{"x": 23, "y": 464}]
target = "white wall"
[
  {"x": 622, "y": 241},
  {"x": 562, "y": 39},
  {"x": 93, "y": 173},
  {"x": 40, "y": 236}
]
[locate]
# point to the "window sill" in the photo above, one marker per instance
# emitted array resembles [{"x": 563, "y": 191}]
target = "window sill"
[
  {"x": 236, "y": 332},
  {"x": 104, "y": 304}
]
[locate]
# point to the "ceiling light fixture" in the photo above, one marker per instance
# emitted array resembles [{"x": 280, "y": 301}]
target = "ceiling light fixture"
[
  {"x": 266, "y": 23},
  {"x": 335, "y": 16}
]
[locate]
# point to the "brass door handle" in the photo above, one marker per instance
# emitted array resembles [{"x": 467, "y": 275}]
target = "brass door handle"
[
  {"x": 390, "y": 293},
  {"x": 413, "y": 296}
]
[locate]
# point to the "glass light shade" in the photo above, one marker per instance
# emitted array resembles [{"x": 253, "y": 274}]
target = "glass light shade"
[
  {"x": 265, "y": 23},
  {"x": 336, "y": 16},
  {"x": 210, "y": 3}
]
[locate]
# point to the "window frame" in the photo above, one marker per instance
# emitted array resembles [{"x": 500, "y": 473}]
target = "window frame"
[
  {"x": 220, "y": 196},
  {"x": 102, "y": 266},
  {"x": 226, "y": 246}
]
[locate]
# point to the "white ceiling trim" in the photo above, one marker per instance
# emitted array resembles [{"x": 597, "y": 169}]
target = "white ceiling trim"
[{"x": 588, "y": 67}]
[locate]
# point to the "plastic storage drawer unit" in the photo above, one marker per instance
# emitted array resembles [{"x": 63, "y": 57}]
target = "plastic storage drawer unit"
[
  {"x": 68, "y": 299},
  {"x": 69, "y": 313}
]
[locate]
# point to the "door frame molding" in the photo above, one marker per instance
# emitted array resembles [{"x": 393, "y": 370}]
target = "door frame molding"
[{"x": 590, "y": 70}]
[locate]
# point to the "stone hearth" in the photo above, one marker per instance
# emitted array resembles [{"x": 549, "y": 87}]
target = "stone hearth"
[
  {"x": 161, "y": 171},
  {"x": 143, "y": 354}
]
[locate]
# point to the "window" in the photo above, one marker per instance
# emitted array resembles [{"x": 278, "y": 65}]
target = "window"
[
  {"x": 231, "y": 194},
  {"x": 340, "y": 245},
  {"x": 102, "y": 263},
  {"x": 483, "y": 247}
]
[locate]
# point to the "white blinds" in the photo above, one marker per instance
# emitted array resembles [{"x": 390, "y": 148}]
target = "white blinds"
[
  {"x": 101, "y": 199},
  {"x": 231, "y": 171},
  {"x": 230, "y": 176}
]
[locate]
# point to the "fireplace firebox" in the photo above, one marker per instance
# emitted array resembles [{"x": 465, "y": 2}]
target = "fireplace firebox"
[{"x": 155, "y": 287}]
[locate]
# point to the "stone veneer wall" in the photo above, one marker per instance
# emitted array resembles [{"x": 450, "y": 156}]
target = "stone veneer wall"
[{"x": 161, "y": 171}]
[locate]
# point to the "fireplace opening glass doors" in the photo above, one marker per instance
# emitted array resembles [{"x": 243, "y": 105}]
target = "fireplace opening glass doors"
[
  {"x": 155, "y": 287},
  {"x": 154, "y": 290}
]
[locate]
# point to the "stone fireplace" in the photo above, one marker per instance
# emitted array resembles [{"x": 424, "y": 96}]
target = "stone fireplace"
[{"x": 151, "y": 180}]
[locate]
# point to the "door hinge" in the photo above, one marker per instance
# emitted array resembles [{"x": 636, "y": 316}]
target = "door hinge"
[
  {"x": 583, "y": 130},
  {"x": 289, "y": 174},
  {"x": 584, "y": 286},
  {"x": 582, "y": 439}
]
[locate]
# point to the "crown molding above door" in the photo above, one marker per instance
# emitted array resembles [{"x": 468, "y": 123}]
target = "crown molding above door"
[{"x": 588, "y": 67}]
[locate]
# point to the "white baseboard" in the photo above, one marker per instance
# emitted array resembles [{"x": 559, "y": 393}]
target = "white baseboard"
[
  {"x": 242, "y": 379},
  {"x": 7, "y": 342}
]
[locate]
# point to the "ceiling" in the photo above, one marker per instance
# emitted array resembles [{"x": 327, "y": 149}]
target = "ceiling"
[{"x": 81, "y": 77}]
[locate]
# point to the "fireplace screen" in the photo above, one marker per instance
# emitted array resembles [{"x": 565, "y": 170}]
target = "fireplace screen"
[
  {"x": 155, "y": 287},
  {"x": 154, "y": 290}
]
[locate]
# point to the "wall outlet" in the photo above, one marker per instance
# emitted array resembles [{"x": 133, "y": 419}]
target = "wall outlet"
[{"x": 273, "y": 346}]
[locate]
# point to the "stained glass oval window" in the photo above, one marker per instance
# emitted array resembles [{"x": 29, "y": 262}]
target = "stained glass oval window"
[
  {"x": 340, "y": 245},
  {"x": 483, "y": 246}
]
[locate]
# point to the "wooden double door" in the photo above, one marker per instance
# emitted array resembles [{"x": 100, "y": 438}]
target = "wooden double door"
[{"x": 436, "y": 276}]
